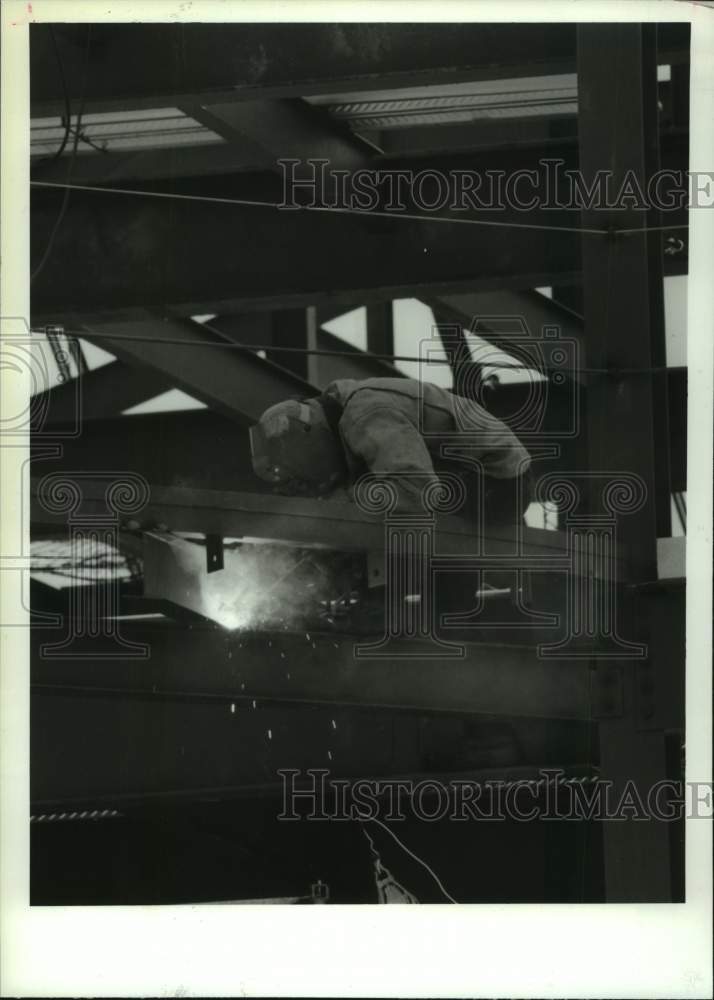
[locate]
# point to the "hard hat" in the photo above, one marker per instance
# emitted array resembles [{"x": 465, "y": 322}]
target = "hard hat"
[{"x": 293, "y": 448}]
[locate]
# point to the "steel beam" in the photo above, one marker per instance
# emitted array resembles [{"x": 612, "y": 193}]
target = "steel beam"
[
  {"x": 426, "y": 140},
  {"x": 622, "y": 276},
  {"x": 343, "y": 361},
  {"x": 198, "y": 448},
  {"x": 380, "y": 328},
  {"x": 537, "y": 311},
  {"x": 287, "y": 328},
  {"x": 204, "y": 160},
  {"x": 236, "y": 383},
  {"x": 321, "y": 669},
  {"x": 333, "y": 523},
  {"x": 232, "y": 257},
  {"x": 252, "y": 61},
  {"x": 421, "y": 145},
  {"x": 155, "y": 444},
  {"x": 100, "y": 394},
  {"x": 285, "y": 129},
  {"x": 624, "y": 321},
  {"x": 244, "y": 328},
  {"x": 187, "y": 257},
  {"x": 349, "y": 362},
  {"x": 677, "y": 424},
  {"x": 154, "y": 744}
]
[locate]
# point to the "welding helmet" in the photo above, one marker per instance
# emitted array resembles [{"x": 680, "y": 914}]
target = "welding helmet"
[{"x": 295, "y": 450}]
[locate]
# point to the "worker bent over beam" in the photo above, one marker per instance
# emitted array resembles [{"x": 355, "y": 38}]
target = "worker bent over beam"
[{"x": 400, "y": 428}]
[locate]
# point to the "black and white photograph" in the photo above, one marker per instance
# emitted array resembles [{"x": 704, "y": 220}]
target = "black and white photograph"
[{"x": 349, "y": 380}]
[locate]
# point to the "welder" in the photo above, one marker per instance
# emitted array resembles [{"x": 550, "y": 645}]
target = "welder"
[{"x": 395, "y": 427}]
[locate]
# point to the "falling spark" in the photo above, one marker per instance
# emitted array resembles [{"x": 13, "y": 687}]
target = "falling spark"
[
  {"x": 270, "y": 734},
  {"x": 334, "y": 724},
  {"x": 329, "y": 754},
  {"x": 253, "y": 704},
  {"x": 233, "y": 709}
]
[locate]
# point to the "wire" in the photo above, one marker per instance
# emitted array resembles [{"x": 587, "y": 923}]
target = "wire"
[
  {"x": 649, "y": 229},
  {"x": 410, "y": 853},
  {"x": 410, "y": 216},
  {"x": 228, "y": 345},
  {"x": 251, "y": 203},
  {"x": 376, "y": 857},
  {"x": 67, "y": 118},
  {"x": 89, "y": 142},
  {"x": 70, "y": 166}
]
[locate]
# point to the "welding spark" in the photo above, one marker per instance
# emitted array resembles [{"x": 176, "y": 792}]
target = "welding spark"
[{"x": 262, "y": 586}]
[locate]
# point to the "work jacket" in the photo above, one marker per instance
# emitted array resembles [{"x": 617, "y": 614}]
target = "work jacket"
[{"x": 410, "y": 431}]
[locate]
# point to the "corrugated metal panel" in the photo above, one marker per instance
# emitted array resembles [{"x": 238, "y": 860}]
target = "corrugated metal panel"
[{"x": 464, "y": 102}]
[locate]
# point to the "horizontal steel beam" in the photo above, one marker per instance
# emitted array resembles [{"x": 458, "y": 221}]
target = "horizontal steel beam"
[
  {"x": 312, "y": 668},
  {"x": 151, "y": 745},
  {"x": 252, "y": 61},
  {"x": 335, "y": 524},
  {"x": 156, "y": 446},
  {"x": 187, "y": 257},
  {"x": 164, "y": 163},
  {"x": 235, "y": 256},
  {"x": 427, "y": 140}
]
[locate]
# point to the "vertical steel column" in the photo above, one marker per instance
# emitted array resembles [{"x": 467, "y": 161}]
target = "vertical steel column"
[
  {"x": 380, "y": 328},
  {"x": 295, "y": 328},
  {"x": 592, "y": 611},
  {"x": 622, "y": 273},
  {"x": 626, "y": 432}
]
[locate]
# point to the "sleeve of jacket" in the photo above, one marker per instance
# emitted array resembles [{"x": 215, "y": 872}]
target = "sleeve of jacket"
[{"x": 388, "y": 443}]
